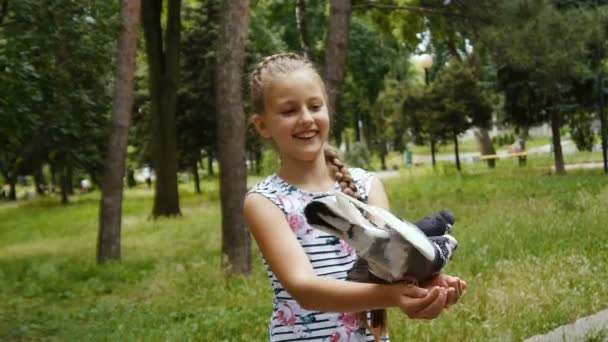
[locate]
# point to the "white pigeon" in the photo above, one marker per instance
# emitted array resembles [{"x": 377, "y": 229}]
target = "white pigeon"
[{"x": 391, "y": 249}]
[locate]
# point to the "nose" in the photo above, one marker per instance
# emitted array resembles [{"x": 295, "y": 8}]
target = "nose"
[{"x": 306, "y": 116}]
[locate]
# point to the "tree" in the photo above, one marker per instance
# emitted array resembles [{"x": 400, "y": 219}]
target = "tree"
[
  {"x": 459, "y": 103},
  {"x": 335, "y": 55},
  {"x": 236, "y": 242},
  {"x": 49, "y": 45},
  {"x": 163, "y": 79},
  {"x": 547, "y": 46},
  {"x": 196, "y": 111},
  {"x": 108, "y": 245}
]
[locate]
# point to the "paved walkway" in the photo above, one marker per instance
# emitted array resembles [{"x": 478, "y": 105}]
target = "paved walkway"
[{"x": 592, "y": 328}]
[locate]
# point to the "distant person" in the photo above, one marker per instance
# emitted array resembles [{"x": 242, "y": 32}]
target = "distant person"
[
  {"x": 307, "y": 269},
  {"x": 85, "y": 185}
]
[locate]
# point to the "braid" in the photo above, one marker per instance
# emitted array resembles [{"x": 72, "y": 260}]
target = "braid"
[{"x": 341, "y": 174}]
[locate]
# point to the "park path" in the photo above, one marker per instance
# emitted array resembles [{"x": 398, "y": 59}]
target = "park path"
[
  {"x": 568, "y": 147},
  {"x": 591, "y": 328}
]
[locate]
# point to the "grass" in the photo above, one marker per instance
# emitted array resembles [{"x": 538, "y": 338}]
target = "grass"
[{"x": 532, "y": 248}]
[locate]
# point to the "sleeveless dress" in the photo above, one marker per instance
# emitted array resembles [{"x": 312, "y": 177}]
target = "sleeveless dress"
[{"x": 329, "y": 256}]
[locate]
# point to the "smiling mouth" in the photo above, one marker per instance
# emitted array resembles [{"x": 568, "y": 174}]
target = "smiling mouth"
[{"x": 306, "y": 135}]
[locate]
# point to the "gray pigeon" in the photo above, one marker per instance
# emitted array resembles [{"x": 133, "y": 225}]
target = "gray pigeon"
[{"x": 389, "y": 249}]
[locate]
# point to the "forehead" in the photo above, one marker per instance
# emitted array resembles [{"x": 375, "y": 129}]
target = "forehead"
[{"x": 296, "y": 85}]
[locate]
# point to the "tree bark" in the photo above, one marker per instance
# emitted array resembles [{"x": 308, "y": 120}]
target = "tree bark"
[
  {"x": 303, "y": 28},
  {"x": 485, "y": 144},
  {"x": 236, "y": 242},
  {"x": 210, "y": 163},
  {"x": 163, "y": 64},
  {"x": 63, "y": 175},
  {"x": 456, "y": 154},
  {"x": 110, "y": 213},
  {"x": 557, "y": 143},
  {"x": 131, "y": 182},
  {"x": 336, "y": 52},
  {"x": 69, "y": 175},
  {"x": 197, "y": 180},
  {"x": 39, "y": 181},
  {"x": 12, "y": 192}
]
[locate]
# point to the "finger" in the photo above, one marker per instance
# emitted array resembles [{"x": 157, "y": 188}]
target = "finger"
[
  {"x": 418, "y": 304},
  {"x": 414, "y": 291},
  {"x": 452, "y": 297},
  {"x": 434, "y": 309}
]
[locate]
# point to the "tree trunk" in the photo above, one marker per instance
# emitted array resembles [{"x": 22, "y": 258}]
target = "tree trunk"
[
  {"x": 303, "y": 28},
  {"x": 39, "y": 182},
  {"x": 54, "y": 183},
  {"x": 383, "y": 154},
  {"x": 236, "y": 242},
  {"x": 69, "y": 185},
  {"x": 197, "y": 180},
  {"x": 12, "y": 192},
  {"x": 63, "y": 175},
  {"x": 131, "y": 182},
  {"x": 110, "y": 213},
  {"x": 336, "y": 52},
  {"x": 210, "y": 162},
  {"x": 163, "y": 65},
  {"x": 557, "y": 143},
  {"x": 485, "y": 144},
  {"x": 456, "y": 154}
]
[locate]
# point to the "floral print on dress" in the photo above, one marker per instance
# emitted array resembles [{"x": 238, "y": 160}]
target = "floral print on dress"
[
  {"x": 330, "y": 256},
  {"x": 346, "y": 248},
  {"x": 285, "y": 314}
]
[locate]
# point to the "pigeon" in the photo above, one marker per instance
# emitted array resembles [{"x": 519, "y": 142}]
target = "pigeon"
[{"x": 390, "y": 249}]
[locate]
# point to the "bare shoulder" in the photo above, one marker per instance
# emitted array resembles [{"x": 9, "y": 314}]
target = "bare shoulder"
[{"x": 377, "y": 195}]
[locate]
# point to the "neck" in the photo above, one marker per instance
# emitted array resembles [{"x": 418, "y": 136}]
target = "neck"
[{"x": 307, "y": 175}]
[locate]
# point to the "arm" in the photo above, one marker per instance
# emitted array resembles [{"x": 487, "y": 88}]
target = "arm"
[{"x": 290, "y": 264}]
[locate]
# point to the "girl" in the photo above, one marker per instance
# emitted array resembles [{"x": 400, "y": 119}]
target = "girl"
[{"x": 307, "y": 267}]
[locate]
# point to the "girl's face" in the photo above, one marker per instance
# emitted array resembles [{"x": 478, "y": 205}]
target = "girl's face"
[{"x": 296, "y": 117}]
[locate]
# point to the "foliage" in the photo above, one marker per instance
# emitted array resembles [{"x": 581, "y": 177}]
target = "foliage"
[
  {"x": 56, "y": 58},
  {"x": 580, "y": 130},
  {"x": 196, "y": 113}
]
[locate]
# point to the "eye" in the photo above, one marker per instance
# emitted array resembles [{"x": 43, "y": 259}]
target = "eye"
[
  {"x": 287, "y": 111},
  {"x": 316, "y": 106}
]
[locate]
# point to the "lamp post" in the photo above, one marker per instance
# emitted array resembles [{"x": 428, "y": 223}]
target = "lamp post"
[{"x": 426, "y": 62}]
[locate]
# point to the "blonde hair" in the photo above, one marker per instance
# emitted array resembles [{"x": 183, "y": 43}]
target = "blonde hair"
[{"x": 262, "y": 75}]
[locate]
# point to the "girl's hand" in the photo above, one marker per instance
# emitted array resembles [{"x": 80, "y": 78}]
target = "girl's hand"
[
  {"x": 421, "y": 303},
  {"x": 454, "y": 285}
]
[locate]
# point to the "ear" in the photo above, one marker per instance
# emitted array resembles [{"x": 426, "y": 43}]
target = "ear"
[{"x": 260, "y": 125}]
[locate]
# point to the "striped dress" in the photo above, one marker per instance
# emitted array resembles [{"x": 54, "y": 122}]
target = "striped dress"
[{"x": 329, "y": 256}]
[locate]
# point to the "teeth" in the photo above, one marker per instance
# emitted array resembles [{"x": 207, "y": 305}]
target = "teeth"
[{"x": 306, "y": 135}]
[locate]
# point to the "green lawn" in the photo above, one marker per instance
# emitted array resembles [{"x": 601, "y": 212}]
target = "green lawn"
[{"x": 532, "y": 248}]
